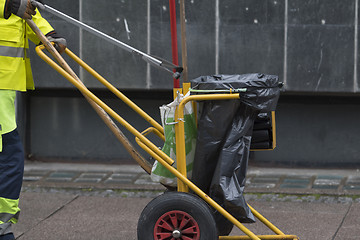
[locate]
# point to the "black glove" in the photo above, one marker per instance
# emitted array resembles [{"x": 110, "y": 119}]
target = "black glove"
[
  {"x": 22, "y": 8},
  {"x": 59, "y": 42}
]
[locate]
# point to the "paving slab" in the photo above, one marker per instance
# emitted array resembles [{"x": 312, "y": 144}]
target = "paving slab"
[
  {"x": 350, "y": 229},
  {"x": 306, "y": 220},
  {"x": 50, "y": 216},
  {"x": 77, "y": 201},
  {"x": 85, "y": 218},
  {"x": 36, "y": 207}
]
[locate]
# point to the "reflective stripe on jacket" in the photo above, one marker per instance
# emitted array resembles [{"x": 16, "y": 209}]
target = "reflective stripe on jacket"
[{"x": 15, "y": 69}]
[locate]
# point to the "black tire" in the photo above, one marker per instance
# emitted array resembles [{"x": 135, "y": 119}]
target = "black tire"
[
  {"x": 224, "y": 226},
  {"x": 190, "y": 212}
]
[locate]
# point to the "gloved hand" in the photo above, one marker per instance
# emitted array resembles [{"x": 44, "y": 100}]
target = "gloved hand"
[
  {"x": 59, "y": 42},
  {"x": 38, "y": 4},
  {"x": 25, "y": 8}
]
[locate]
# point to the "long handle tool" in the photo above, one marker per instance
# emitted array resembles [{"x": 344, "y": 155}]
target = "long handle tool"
[
  {"x": 103, "y": 115},
  {"x": 153, "y": 60}
]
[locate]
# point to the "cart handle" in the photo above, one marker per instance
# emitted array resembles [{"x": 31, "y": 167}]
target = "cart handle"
[
  {"x": 155, "y": 131},
  {"x": 237, "y": 90},
  {"x": 103, "y": 81},
  {"x": 112, "y": 113}
]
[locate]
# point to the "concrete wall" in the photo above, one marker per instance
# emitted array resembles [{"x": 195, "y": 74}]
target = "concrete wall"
[
  {"x": 315, "y": 131},
  {"x": 311, "y": 44}
]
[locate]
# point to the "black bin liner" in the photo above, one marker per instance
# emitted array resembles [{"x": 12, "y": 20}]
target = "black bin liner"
[
  {"x": 224, "y": 135},
  {"x": 262, "y": 135}
]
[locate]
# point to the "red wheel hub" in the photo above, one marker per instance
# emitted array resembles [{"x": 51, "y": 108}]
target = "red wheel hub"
[{"x": 176, "y": 225}]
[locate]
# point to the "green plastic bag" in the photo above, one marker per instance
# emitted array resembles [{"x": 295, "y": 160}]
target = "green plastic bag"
[{"x": 159, "y": 173}]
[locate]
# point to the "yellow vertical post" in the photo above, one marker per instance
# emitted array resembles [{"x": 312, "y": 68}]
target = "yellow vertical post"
[
  {"x": 186, "y": 87},
  {"x": 180, "y": 143},
  {"x": 180, "y": 148}
]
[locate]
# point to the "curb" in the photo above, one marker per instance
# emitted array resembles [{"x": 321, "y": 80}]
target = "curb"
[{"x": 337, "y": 182}]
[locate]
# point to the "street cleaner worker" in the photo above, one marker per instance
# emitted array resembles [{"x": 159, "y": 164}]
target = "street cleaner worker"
[{"x": 15, "y": 75}]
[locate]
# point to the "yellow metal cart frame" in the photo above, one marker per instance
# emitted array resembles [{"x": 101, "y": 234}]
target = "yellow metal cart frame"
[{"x": 184, "y": 184}]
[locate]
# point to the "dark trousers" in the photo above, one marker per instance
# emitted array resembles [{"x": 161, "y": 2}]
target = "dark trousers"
[{"x": 11, "y": 176}]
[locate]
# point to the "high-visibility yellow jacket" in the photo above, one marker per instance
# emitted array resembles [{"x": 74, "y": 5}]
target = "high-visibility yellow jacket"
[
  {"x": 15, "y": 75},
  {"x": 15, "y": 69}
]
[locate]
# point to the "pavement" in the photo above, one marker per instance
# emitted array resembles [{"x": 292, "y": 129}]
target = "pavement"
[{"x": 94, "y": 201}]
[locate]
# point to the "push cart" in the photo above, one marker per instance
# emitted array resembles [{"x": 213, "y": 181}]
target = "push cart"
[{"x": 185, "y": 214}]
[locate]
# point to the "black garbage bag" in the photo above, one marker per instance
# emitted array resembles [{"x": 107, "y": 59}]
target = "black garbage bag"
[
  {"x": 262, "y": 135},
  {"x": 224, "y": 137}
]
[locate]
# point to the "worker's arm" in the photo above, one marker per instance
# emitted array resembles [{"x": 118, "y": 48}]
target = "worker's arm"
[
  {"x": 5, "y": 9},
  {"x": 26, "y": 9},
  {"x": 21, "y": 8},
  {"x": 48, "y": 31},
  {"x": 60, "y": 42}
]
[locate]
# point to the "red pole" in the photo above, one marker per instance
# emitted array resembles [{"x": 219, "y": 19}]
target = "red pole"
[{"x": 174, "y": 45}]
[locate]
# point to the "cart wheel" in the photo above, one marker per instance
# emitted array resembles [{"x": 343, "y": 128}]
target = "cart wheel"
[
  {"x": 177, "y": 216},
  {"x": 223, "y": 225}
]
